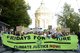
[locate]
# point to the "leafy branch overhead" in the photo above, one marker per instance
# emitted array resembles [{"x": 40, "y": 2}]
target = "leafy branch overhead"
[
  {"x": 69, "y": 18},
  {"x": 15, "y": 12}
]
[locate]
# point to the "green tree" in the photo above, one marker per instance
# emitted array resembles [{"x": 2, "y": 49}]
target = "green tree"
[
  {"x": 69, "y": 18},
  {"x": 15, "y": 12}
]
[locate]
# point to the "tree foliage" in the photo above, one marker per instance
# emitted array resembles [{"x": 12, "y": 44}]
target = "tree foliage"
[
  {"x": 15, "y": 12},
  {"x": 69, "y": 18}
]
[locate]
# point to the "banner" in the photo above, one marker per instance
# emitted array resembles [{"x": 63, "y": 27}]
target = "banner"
[{"x": 36, "y": 42}]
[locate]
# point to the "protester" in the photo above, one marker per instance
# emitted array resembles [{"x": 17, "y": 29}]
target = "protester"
[
  {"x": 53, "y": 35},
  {"x": 79, "y": 37},
  {"x": 49, "y": 34},
  {"x": 0, "y": 35},
  {"x": 17, "y": 33},
  {"x": 45, "y": 34},
  {"x": 0, "y": 39}
]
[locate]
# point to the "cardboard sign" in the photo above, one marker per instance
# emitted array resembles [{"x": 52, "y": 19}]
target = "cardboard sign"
[{"x": 36, "y": 42}]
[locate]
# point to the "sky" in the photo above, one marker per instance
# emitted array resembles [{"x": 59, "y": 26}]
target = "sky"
[{"x": 55, "y": 6}]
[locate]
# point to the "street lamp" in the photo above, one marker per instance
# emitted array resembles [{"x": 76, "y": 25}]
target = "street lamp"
[{"x": 79, "y": 27}]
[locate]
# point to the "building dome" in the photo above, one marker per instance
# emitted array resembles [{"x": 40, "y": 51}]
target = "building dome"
[
  {"x": 43, "y": 17},
  {"x": 42, "y": 10}
]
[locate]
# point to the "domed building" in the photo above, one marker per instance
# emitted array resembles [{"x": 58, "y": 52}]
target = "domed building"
[{"x": 43, "y": 17}]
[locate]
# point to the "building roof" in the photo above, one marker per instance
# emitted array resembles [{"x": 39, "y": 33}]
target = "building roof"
[
  {"x": 43, "y": 9},
  {"x": 2, "y": 23}
]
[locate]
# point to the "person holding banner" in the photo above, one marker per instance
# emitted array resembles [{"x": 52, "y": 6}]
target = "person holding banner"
[
  {"x": 49, "y": 34},
  {"x": 79, "y": 37},
  {"x": 45, "y": 34},
  {"x": 17, "y": 33},
  {"x": 0, "y": 39}
]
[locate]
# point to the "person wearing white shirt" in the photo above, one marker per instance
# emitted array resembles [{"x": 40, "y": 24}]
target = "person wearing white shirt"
[{"x": 45, "y": 34}]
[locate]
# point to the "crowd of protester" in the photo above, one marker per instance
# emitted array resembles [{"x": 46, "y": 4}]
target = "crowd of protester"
[{"x": 48, "y": 34}]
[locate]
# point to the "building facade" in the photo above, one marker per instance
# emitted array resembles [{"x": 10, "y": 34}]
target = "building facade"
[
  {"x": 3, "y": 26},
  {"x": 43, "y": 17}
]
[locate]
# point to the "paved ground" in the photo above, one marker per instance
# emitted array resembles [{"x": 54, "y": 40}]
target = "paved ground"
[{"x": 4, "y": 50}]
